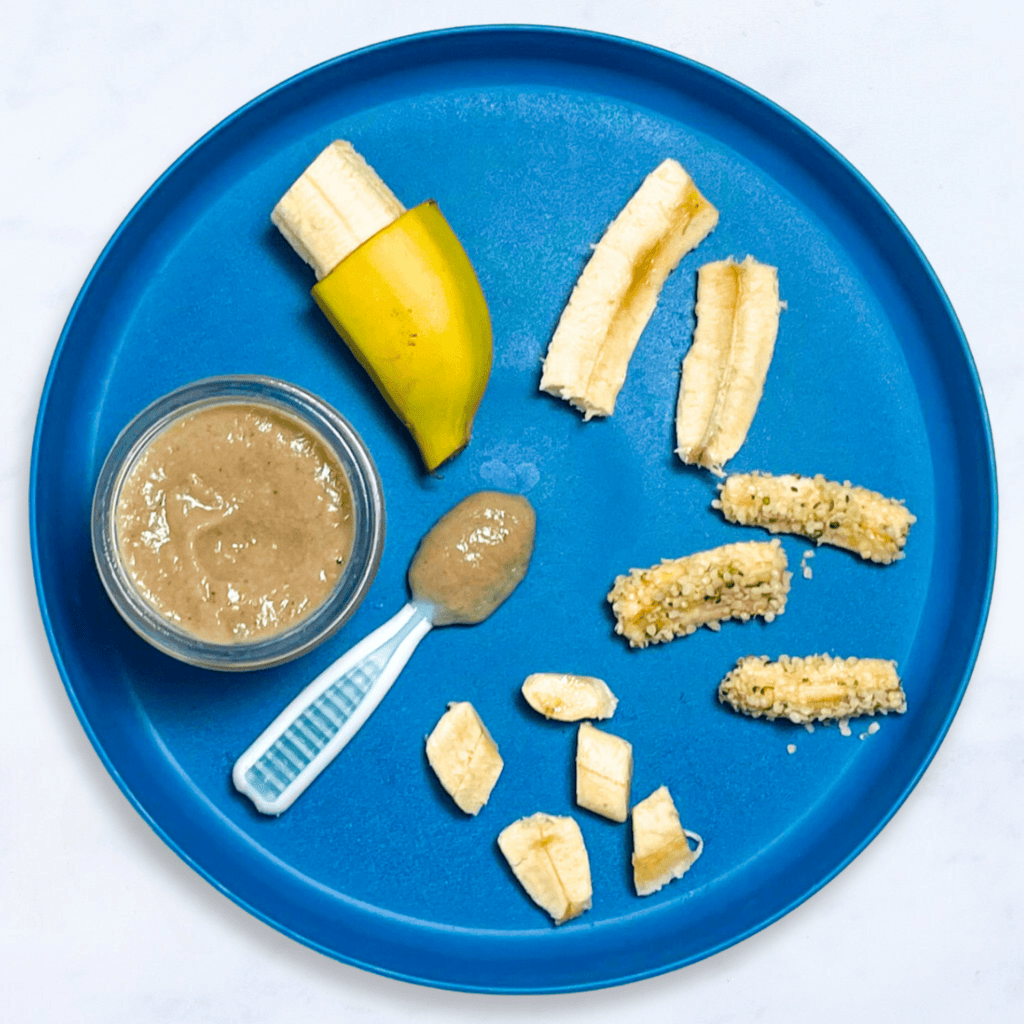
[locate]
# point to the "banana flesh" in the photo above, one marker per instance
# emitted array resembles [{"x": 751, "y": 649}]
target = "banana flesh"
[
  {"x": 604, "y": 771},
  {"x": 724, "y": 371},
  {"x": 464, "y": 757},
  {"x": 849, "y": 517},
  {"x": 549, "y": 858},
  {"x": 337, "y": 203},
  {"x": 735, "y": 581},
  {"x": 814, "y": 689},
  {"x": 660, "y": 848},
  {"x": 568, "y": 698},
  {"x": 618, "y": 290}
]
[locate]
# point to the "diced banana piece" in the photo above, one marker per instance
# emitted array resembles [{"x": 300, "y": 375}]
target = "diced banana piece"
[
  {"x": 604, "y": 770},
  {"x": 616, "y": 293},
  {"x": 569, "y": 698},
  {"x": 813, "y": 689},
  {"x": 464, "y": 756},
  {"x": 724, "y": 371},
  {"x": 828, "y": 512},
  {"x": 336, "y": 204},
  {"x": 548, "y": 856},
  {"x": 660, "y": 848},
  {"x": 735, "y": 581}
]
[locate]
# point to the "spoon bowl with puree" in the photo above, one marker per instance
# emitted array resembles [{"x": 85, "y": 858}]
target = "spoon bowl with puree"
[{"x": 465, "y": 567}]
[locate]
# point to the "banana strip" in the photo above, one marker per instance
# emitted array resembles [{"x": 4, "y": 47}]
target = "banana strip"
[
  {"x": 816, "y": 688},
  {"x": 616, "y": 293},
  {"x": 464, "y": 757},
  {"x": 724, "y": 371},
  {"x": 660, "y": 848},
  {"x": 548, "y": 857},
  {"x": 828, "y": 512},
  {"x": 735, "y": 581},
  {"x": 337, "y": 203}
]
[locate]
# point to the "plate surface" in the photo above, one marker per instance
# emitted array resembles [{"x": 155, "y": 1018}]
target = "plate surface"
[{"x": 532, "y": 140}]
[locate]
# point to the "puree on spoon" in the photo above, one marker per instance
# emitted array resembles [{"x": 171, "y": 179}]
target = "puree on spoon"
[{"x": 235, "y": 522}]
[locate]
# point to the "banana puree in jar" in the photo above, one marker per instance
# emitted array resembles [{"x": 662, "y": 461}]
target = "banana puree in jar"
[
  {"x": 474, "y": 556},
  {"x": 235, "y": 522}
]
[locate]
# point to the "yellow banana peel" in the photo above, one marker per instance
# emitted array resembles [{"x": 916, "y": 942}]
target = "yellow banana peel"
[{"x": 408, "y": 304}]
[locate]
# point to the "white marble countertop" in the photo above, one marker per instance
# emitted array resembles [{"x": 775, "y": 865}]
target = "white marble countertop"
[{"x": 101, "y": 921}]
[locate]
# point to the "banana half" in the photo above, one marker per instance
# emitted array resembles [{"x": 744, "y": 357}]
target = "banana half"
[
  {"x": 616, "y": 294},
  {"x": 724, "y": 371},
  {"x": 549, "y": 858}
]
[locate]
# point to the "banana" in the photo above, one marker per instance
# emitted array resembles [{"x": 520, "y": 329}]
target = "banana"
[
  {"x": 569, "y": 698},
  {"x": 616, "y": 294},
  {"x": 549, "y": 858},
  {"x": 849, "y": 517},
  {"x": 464, "y": 756},
  {"x": 723, "y": 373},
  {"x": 660, "y": 848},
  {"x": 604, "y": 771},
  {"x": 399, "y": 288},
  {"x": 338, "y": 202},
  {"x": 735, "y": 581},
  {"x": 814, "y": 689}
]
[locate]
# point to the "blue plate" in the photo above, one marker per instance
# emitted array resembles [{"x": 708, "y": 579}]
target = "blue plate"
[{"x": 532, "y": 139}]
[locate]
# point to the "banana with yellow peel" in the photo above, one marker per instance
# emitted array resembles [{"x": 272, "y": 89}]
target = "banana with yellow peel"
[
  {"x": 549, "y": 858},
  {"x": 464, "y": 756},
  {"x": 618, "y": 290},
  {"x": 398, "y": 287},
  {"x": 724, "y": 371}
]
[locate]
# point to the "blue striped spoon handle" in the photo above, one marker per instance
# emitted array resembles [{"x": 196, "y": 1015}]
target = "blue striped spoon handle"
[{"x": 304, "y": 738}]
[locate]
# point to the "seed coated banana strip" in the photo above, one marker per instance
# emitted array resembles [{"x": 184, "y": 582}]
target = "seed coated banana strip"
[
  {"x": 724, "y": 371},
  {"x": 336, "y": 204},
  {"x": 735, "y": 581},
  {"x": 616, "y": 294},
  {"x": 817, "y": 688},
  {"x": 828, "y": 512}
]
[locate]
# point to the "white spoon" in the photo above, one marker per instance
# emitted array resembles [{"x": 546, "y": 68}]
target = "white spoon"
[{"x": 466, "y": 566}]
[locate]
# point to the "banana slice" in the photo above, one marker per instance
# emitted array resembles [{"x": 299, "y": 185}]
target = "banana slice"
[
  {"x": 569, "y": 698},
  {"x": 464, "y": 756},
  {"x": 604, "y": 770},
  {"x": 616, "y": 293},
  {"x": 337, "y": 203},
  {"x": 724, "y": 372},
  {"x": 548, "y": 856},
  {"x": 660, "y": 848}
]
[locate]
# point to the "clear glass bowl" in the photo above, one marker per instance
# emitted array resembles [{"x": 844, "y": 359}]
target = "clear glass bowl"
[{"x": 338, "y": 436}]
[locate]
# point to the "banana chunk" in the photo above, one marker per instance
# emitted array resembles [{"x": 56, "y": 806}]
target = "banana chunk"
[
  {"x": 660, "y": 848},
  {"x": 616, "y": 294},
  {"x": 464, "y": 757},
  {"x": 336, "y": 204},
  {"x": 549, "y": 858},
  {"x": 735, "y": 581},
  {"x": 604, "y": 771},
  {"x": 724, "y": 371},
  {"x": 815, "y": 689},
  {"x": 569, "y": 698},
  {"x": 849, "y": 517}
]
